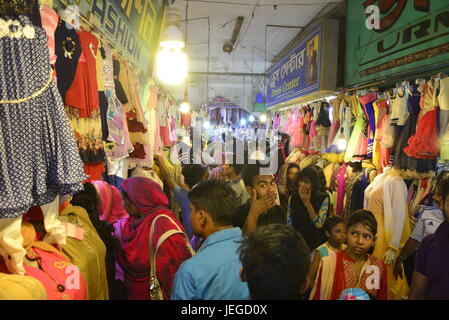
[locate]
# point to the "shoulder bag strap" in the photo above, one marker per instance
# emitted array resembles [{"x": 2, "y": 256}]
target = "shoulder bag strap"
[{"x": 154, "y": 283}]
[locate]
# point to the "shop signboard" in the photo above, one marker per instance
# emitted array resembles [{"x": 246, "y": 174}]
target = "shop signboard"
[
  {"x": 298, "y": 73},
  {"x": 131, "y": 26},
  {"x": 385, "y": 38}
]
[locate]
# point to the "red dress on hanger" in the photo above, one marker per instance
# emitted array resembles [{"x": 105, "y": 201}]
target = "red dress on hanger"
[
  {"x": 83, "y": 94},
  {"x": 425, "y": 144}
]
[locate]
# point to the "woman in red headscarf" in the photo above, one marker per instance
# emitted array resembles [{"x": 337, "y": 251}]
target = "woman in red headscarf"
[
  {"x": 110, "y": 207},
  {"x": 144, "y": 200}
]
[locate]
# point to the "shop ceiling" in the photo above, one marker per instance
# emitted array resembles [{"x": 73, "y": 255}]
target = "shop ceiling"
[{"x": 231, "y": 43}]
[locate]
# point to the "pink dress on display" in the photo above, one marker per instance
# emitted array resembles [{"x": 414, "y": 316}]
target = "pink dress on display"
[
  {"x": 50, "y": 20},
  {"x": 296, "y": 127}
]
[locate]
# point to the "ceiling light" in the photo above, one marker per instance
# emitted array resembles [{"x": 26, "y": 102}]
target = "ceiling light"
[
  {"x": 171, "y": 60},
  {"x": 263, "y": 118},
  {"x": 185, "y": 107},
  {"x": 243, "y": 122},
  {"x": 251, "y": 118}
]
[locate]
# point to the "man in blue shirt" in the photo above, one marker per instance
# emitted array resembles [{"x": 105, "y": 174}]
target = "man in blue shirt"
[{"x": 214, "y": 272}]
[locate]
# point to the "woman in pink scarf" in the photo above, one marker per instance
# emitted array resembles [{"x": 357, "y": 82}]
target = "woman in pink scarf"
[
  {"x": 144, "y": 200},
  {"x": 110, "y": 207}
]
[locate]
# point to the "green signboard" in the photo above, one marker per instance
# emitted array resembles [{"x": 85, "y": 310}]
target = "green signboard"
[
  {"x": 131, "y": 26},
  {"x": 410, "y": 35}
]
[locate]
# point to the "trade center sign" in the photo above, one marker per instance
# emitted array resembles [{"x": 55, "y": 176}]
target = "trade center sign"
[{"x": 301, "y": 72}]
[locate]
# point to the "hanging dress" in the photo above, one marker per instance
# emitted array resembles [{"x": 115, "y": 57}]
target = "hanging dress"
[
  {"x": 340, "y": 185},
  {"x": 83, "y": 94},
  {"x": 412, "y": 167},
  {"x": 38, "y": 155},
  {"x": 68, "y": 52},
  {"x": 333, "y": 131},
  {"x": 381, "y": 154},
  {"x": 367, "y": 101},
  {"x": 358, "y": 142},
  {"x": 424, "y": 144}
]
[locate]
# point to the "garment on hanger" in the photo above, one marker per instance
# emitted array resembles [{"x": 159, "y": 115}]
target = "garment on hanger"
[
  {"x": 424, "y": 144},
  {"x": 381, "y": 154},
  {"x": 50, "y": 21},
  {"x": 33, "y": 122},
  {"x": 83, "y": 93},
  {"x": 340, "y": 185},
  {"x": 68, "y": 52},
  {"x": 336, "y": 103},
  {"x": 410, "y": 166},
  {"x": 367, "y": 103}
]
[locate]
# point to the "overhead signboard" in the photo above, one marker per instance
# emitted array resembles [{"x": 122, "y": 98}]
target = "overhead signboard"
[
  {"x": 405, "y": 36},
  {"x": 308, "y": 68},
  {"x": 132, "y": 26}
]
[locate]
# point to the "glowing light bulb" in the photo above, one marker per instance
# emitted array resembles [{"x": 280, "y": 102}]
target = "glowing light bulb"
[
  {"x": 172, "y": 65},
  {"x": 185, "y": 107},
  {"x": 342, "y": 144},
  {"x": 263, "y": 118},
  {"x": 243, "y": 122},
  {"x": 251, "y": 118}
]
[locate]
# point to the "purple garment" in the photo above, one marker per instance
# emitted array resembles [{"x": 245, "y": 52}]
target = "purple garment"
[{"x": 432, "y": 261}]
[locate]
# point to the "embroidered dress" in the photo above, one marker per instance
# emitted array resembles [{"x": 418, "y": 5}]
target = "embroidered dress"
[
  {"x": 337, "y": 273},
  {"x": 38, "y": 155}
]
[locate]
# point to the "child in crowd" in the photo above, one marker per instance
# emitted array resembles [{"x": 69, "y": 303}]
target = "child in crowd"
[
  {"x": 335, "y": 231},
  {"x": 275, "y": 261},
  {"x": 353, "y": 267},
  {"x": 213, "y": 273}
]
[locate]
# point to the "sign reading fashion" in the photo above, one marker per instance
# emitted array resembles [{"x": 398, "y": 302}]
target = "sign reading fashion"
[
  {"x": 298, "y": 73},
  {"x": 411, "y": 36},
  {"x": 132, "y": 26}
]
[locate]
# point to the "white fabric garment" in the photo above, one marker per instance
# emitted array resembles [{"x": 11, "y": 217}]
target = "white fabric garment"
[
  {"x": 11, "y": 244},
  {"x": 429, "y": 219},
  {"x": 56, "y": 232}
]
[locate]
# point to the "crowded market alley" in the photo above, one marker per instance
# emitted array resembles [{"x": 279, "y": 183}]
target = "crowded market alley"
[{"x": 224, "y": 150}]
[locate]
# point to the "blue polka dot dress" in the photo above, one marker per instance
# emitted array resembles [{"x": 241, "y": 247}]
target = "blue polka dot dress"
[{"x": 39, "y": 158}]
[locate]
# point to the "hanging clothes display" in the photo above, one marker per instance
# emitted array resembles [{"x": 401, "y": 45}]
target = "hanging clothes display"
[
  {"x": 424, "y": 144},
  {"x": 33, "y": 122},
  {"x": 68, "y": 52}
]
